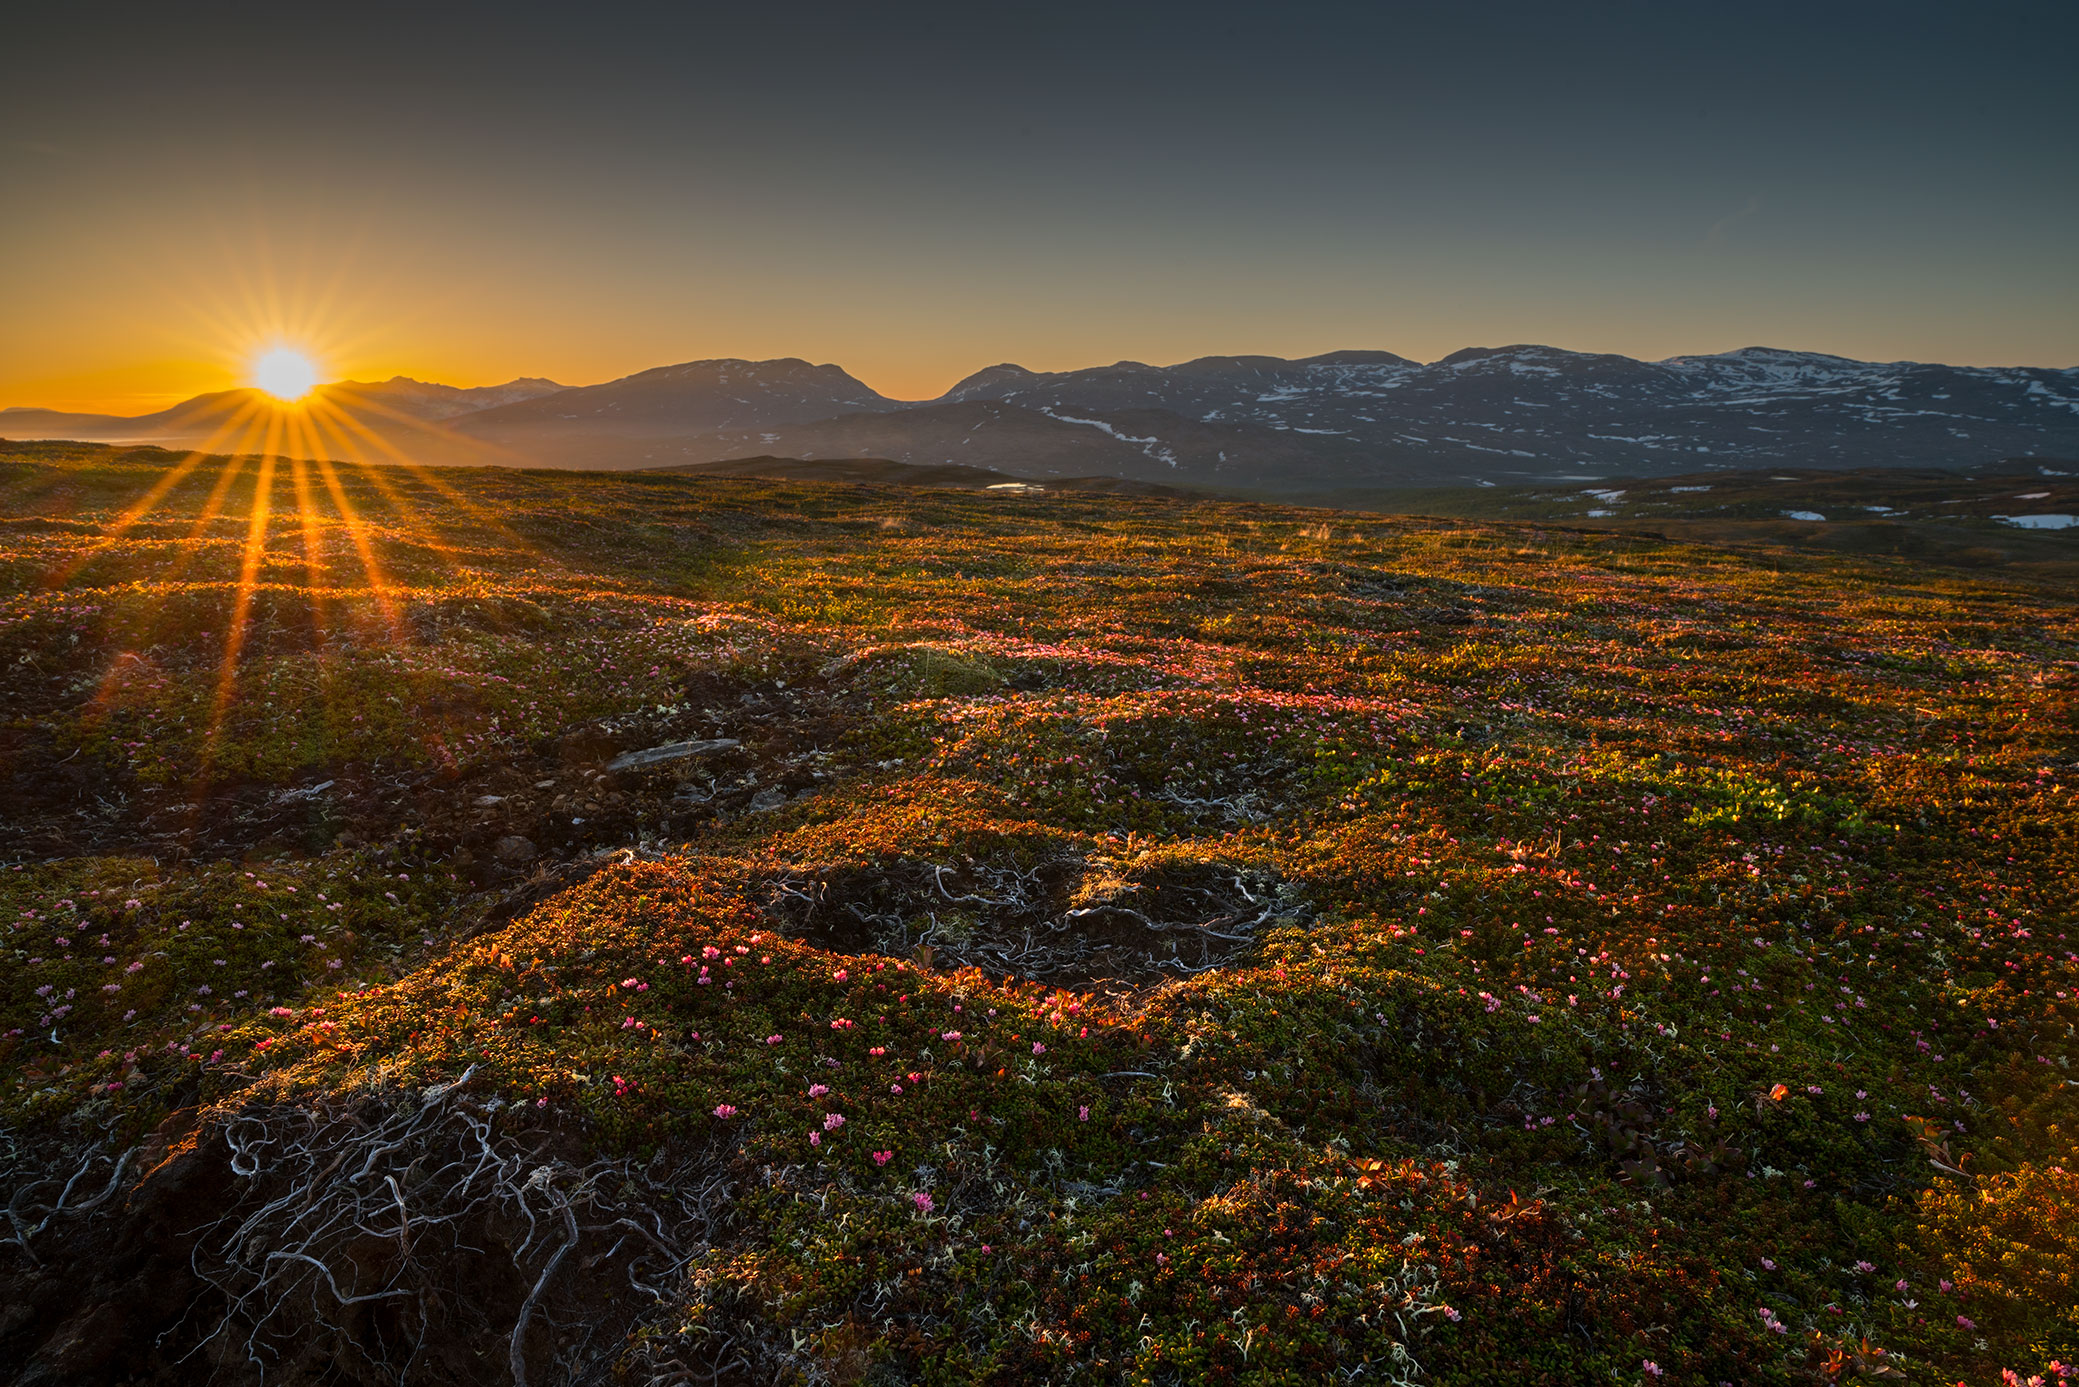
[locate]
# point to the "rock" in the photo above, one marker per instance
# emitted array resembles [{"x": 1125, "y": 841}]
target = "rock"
[
  {"x": 772, "y": 797},
  {"x": 670, "y": 751},
  {"x": 486, "y": 801},
  {"x": 514, "y": 850}
]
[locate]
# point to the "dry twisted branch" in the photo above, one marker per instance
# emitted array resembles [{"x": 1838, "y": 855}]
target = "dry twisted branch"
[{"x": 372, "y": 1225}]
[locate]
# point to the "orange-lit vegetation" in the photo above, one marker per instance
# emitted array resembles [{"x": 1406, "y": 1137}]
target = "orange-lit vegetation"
[{"x": 1094, "y": 939}]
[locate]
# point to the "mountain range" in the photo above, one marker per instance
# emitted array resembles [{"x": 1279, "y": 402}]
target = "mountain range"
[{"x": 1353, "y": 418}]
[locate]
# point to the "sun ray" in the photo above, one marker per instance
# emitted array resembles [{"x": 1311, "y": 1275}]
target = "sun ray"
[
  {"x": 184, "y": 556},
  {"x": 253, "y": 557},
  {"x": 145, "y": 504},
  {"x": 327, "y": 599},
  {"x": 313, "y": 532},
  {"x": 430, "y": 477},
  {"x": 485, "y": 454},
  {"x": 420, "y": 473},
  {"x": 358, "y": 534},
  {"x": 402, "y": 511},
  {"x": 192, "y": 547},
  {"x": 322, "y": 598}
]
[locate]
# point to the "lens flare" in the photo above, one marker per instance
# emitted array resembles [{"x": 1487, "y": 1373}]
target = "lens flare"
[{"x": 285, "y": 373}]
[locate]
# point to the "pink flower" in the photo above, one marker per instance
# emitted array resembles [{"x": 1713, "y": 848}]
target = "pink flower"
[
  {"x": 1652, "y": 1368},
  {"x": 832, "y": 1121},
  {"x": 724, "y": 1111},
  {"x": 883, "y": 1157},
  {"x": 922, "y": 1201},
  {"x": 818, "y": 1090},
  {"x": 877, "y": 1051},
  {"x": 949, "y": 1035},
  {"x": 1083, "y": 1113},
  {"x": 772, "y": 1040},
  {"x": 1963, "y": 1322},
  {"x": 815, "y": 1138},
  {"x": 1038, "y": 1049}
]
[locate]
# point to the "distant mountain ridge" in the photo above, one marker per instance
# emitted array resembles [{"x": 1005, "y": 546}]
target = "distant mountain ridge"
[
  {"x": 694, "y": 396},
  {"x": 426, "y": 400},
  {"x": 205, "y": 414},
  {"x": 1348, "y": 418}
]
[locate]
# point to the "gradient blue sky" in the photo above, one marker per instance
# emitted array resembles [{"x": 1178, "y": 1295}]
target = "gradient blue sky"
[{"x": 914, "y": 191}]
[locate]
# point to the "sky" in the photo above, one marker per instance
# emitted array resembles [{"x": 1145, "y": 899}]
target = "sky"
[{"x": 468, "y": 194}]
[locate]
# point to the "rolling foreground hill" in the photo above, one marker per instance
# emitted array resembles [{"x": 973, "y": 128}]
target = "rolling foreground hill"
[
  {"x": 1321, "y": 424},
  {"x": 497, "y": 926}
]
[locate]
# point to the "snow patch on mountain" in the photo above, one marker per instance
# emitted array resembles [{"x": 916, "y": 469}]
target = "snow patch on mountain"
[{"x": 1151, "y": 446}]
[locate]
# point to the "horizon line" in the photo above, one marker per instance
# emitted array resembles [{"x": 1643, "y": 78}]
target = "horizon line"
[{"x": 174, "y": 401}]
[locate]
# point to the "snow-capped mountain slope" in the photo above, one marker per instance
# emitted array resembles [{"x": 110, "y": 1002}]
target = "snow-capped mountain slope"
[
  {"x": 1144, "y": 444},
  {"x": 1209, "y": 388},
  {"x": 1533, "y": 409}
]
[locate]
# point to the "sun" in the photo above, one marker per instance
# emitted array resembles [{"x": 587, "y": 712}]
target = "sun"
[{"x": 285, "y": 373}]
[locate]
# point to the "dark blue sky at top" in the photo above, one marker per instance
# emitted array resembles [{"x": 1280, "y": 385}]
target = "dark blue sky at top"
[{"x": 1665, "y": 176}]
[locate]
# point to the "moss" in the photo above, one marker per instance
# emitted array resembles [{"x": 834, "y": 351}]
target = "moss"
[{"x": 1127, "y": 941}]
